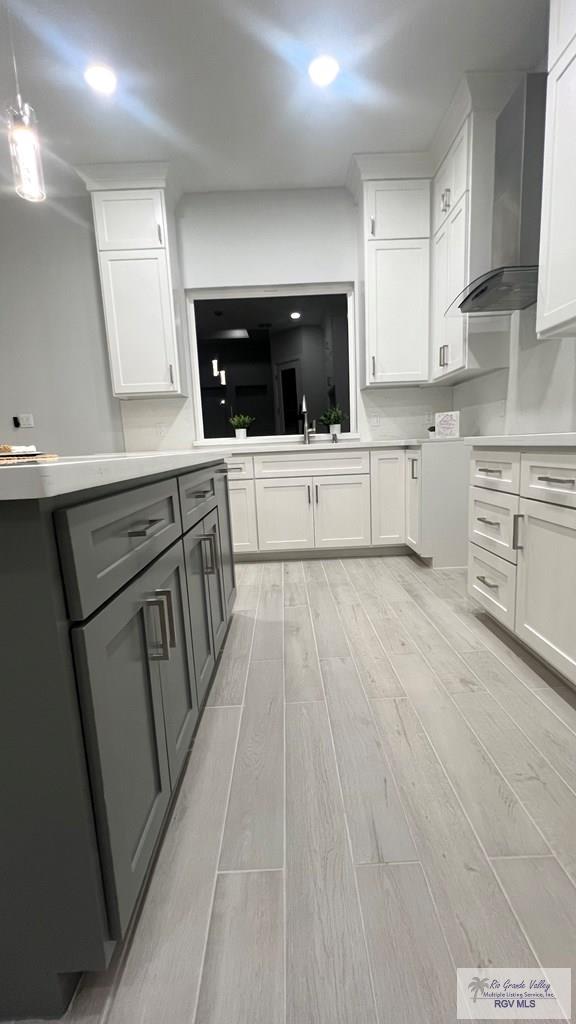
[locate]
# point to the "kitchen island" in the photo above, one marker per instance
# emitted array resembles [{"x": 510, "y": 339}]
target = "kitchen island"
[{"x": 116, "y": 589}]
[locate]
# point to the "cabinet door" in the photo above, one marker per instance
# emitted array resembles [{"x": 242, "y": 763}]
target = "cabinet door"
[
  {"x": 285, "y": 514},
  {"x": 120, "y": 691},
  {"x": 387, "y": 473},
  {"x": 177, "y": 675},
  {"x": 413, "y": 499},
  {"x": 197, "y": 561},
  {"x": 440, "y": 345},
  {"x": 398, "y": 209},
  {"x": 243, "y": 512},
  {"x": 225, "y": 534},
  {"x": 455, "y": 326},
  {"x": 341, "y": 511},
  {"x": 562, "y": 28},
  {"x": 452, "y": 178},
  {"x": 397, "y": 310},
  {"x": 215, "y": 574},
  {"x": 129, "y": 219},
  {"x": 545, "y": 589},
  {"x": 140, "y": 322},
  {"x": 556, "y": 312}
]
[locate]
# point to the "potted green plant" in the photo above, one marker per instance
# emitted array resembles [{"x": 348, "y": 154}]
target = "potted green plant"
[
  {"x": 333, "y": 418},
  {"x": 241, "y": 421}
]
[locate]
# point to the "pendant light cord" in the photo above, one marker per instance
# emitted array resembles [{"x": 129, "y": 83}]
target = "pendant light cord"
[{"x": 13, "y": 52}]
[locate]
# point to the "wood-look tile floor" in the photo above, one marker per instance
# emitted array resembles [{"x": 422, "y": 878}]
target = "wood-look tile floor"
[{"x": 383, "y": 787}]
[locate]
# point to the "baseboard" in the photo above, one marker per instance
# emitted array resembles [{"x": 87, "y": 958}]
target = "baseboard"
[{"x": 308, "y": 554}]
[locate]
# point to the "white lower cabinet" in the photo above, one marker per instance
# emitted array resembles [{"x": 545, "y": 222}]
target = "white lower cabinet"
[
  {"x": 243, "y": 515},
  {"x": 492, "y": 582},
  {"x": 285, "y": 514},
  {"x": 342, "y": 511},
  {"x": 546, "y": 575},
  {"x": 308, "y": 512},
  {"x": 387, "y": 472},
  {"x": 413, "y": 499}
]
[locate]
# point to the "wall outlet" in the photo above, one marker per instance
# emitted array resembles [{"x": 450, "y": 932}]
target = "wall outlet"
[{"x": 23, "y": 419}]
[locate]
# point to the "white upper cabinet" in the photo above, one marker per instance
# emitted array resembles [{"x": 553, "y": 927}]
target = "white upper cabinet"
[
  {"x": 556, "y": 311},
  {"x": 130, "y": 219},
  {"x": 139, "y": 322},
  {"x": 562, "y": 28},
  {"x": 451, "y": 180},
  {"x": 397, "y": 311},
  {"x": 397, "y": 209},
  {"x": 137, "y": 295},
  {"x": 463, "y": 190}
]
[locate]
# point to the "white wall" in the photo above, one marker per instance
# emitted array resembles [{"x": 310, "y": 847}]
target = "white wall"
[
  {"x": 536, "y": 395},
  {"x": 53, "y": 360},
  {"x": 236, "y": 239}
]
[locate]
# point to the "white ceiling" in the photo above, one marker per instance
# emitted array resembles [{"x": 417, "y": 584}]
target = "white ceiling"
[{"x": 218, "y": 87}]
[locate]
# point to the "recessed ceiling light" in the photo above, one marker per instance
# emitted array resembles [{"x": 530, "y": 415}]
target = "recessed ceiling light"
[
  {"x": 323, "y": 70},
  {"x": 101, "y": 78},
  {"x": 295, "y": 316}
]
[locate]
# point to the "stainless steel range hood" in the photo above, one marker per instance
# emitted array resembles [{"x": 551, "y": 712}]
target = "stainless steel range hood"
[{"x": 513, "y": 282}]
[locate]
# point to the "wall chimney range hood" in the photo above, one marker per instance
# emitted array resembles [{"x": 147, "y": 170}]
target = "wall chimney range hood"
[{"x": 512, "y": 284}]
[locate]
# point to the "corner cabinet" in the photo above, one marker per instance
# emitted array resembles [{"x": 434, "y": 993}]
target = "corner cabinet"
[
  {"x": 556, "y": 310},
  {"x": 135, "y": 274},
  {"x": 396, "y": 230}
]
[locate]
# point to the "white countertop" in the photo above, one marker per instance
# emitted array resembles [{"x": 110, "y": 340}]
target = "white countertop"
[
  {"x": 523, "y": 441},
  {"x": 78, "y": 473},
  {"x": 240, "y": 448}
]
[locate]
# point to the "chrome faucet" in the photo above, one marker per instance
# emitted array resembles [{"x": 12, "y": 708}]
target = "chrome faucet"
[{"x": 306, "y": 430}]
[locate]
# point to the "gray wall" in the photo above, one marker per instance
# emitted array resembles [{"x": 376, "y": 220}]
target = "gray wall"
[{"x": 53, "y": 360}]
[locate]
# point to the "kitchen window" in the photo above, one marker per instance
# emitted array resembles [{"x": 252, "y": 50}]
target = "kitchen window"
[{"x": 257, "y": 352}]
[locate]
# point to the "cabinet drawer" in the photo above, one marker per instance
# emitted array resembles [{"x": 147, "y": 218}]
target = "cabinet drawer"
[
  {"x": 311, "y": 464},
  {"x": 493, "y": 521},
  {"x": 497, "y": 470},
  {"x": 492, "y": 582},
  {"x": 240, "y": 467},
  {"x": 104, "y": 543},
  {"x": 197, "y": 495},
  {"x": 549, "y": 477}
]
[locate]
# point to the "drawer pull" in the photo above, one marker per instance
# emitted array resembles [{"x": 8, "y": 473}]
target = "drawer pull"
[
  {"x": 489, "y": 522},
  {"x": 487, "y": 583},
  {"x": 557, "y": 480},
  {"x": 171, "y": 624},
  {"x": 232, "y": 469},
  {"x": 201, "y": 494},
  {"x": 159, "y": 651},
  {"x": 489, "y": 472},
  {"x": 143, "y": 531}
]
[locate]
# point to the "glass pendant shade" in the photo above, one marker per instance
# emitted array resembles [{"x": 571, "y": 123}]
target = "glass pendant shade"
[{"x": 25, "y": 153}]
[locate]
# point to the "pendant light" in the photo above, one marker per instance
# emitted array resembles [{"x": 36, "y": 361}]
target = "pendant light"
[{"x": 24, "y": 140}]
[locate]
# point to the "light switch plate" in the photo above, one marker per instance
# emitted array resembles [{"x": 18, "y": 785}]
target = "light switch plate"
[{"x": 26, "y": 419}]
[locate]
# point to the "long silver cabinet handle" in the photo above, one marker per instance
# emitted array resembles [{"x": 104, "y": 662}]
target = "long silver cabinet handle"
[
  {"x": 316, "y": 487},
  {"x": 516, "y": 546},
  {"x": 489, "y": 472},
  {"x": 159, "y": 229},
  {"x": 489, "y": 522},
  {"x": 372, "y": 226},
  {"x": 159, "y": 651},
  {"x": 210, "y": 569},
  {"x": 373, "y": 366},
  {"x": 171, "y": 622},
  {"x": 487, "y": 583},
  {"x": 309, "y": 495},
  {"x": 557, "y": 479},
  {"x": 143, "y": 531}
]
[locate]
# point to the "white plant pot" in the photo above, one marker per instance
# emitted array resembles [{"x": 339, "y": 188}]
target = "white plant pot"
[
  {"x": 240, "y": 432},
  {"x": 335, "y": 428}
]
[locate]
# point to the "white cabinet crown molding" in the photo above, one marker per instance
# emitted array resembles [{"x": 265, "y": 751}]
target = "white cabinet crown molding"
[{"x": 101, "y": 177}]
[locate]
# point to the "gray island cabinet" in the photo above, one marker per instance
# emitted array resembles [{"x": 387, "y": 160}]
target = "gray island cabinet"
[{"x": 114, "y": 605}]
